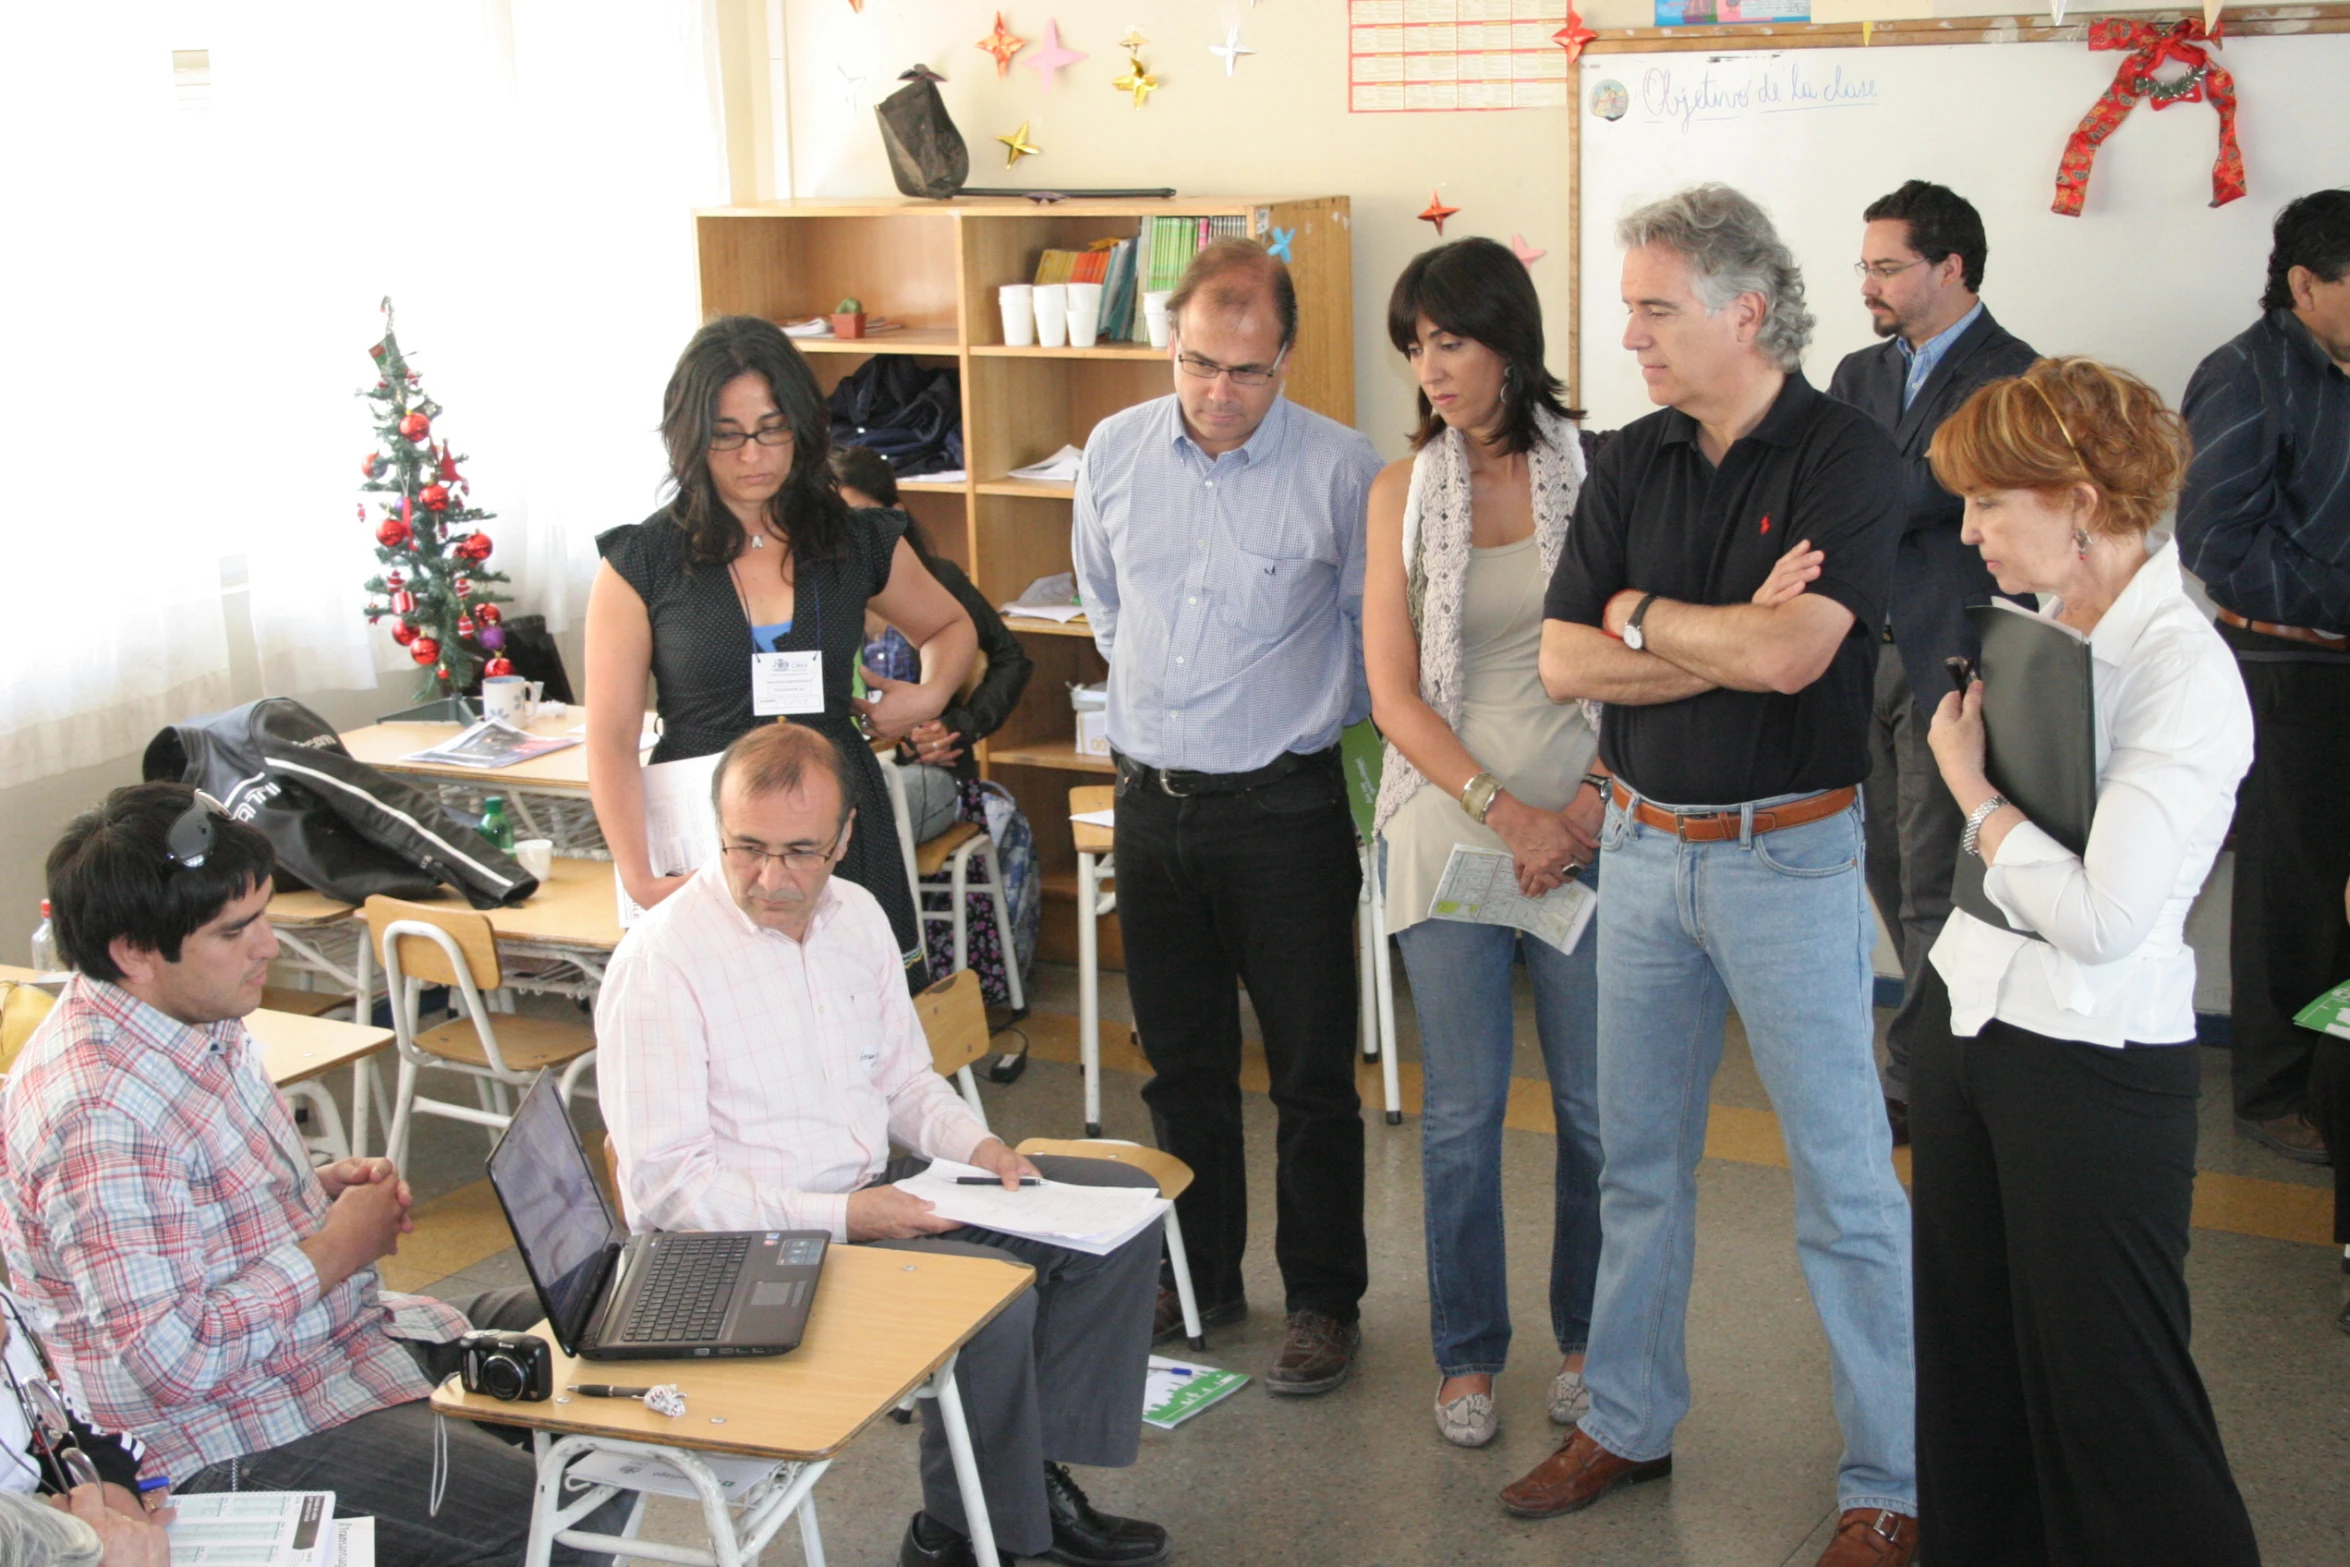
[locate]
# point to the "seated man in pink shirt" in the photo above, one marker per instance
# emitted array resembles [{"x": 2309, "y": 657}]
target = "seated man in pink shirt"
[{"x": 758, "y": 1056}]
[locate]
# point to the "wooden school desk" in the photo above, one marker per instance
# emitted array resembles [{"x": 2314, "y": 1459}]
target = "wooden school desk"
[
  {"x": 549, "y": 794},
  {"x": 885, "y": 1324}
]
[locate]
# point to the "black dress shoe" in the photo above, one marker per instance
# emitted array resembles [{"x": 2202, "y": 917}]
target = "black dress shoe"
[
  {"x": 1085, "y": 1538},
  {"x": 929, "y": 1543}
]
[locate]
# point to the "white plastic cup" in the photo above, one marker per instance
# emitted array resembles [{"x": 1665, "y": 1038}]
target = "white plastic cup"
[
  {"x": 1085, "y": 313},
  {"x": 1052, "y": 314},
  {"x": 1019, "y": 314},
  {"x": 1154, "y": 315},
  {"x": 537, "y": 856}
]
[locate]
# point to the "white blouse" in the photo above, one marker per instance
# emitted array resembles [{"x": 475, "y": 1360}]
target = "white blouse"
[{"x": 2174, "y": 737}]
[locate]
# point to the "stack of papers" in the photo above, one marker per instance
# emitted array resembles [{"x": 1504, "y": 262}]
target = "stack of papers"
[
  {"x": 658, "y": 1477},
  {"x": 1048, "y": 598},
  {"x": 1480, "y": 887},
  {"x": 1092, "y": 1219},
  {"x": 267, "y": 1529},
  {"x": 1175, "y": 1390},
  {"x": 1059, "y": 468},
  {"x": 492, "y": 743},
  {"x": 681, "y": 826}
]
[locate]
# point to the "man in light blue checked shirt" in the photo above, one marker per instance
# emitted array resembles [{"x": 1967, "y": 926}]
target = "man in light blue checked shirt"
[{"x": 1218, "y": 540}]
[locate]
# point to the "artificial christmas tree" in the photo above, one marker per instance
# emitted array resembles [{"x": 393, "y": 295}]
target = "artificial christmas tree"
[{"x": 428, "y": 539}]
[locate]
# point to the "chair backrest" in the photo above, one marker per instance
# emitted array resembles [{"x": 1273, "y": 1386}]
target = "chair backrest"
[
  {"x": 419, "y": 957},
  {"x": 954, "y": 1019},
  {"x": 1172, "y": 1174}
]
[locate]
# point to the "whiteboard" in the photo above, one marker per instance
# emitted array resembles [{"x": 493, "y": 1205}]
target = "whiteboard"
[{"x": 2150, "y": 276}]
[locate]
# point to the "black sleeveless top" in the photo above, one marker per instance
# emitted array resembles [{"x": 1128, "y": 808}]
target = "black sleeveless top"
[{"x": 702, "y": 669}]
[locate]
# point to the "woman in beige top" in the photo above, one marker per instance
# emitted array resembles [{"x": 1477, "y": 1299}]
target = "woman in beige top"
[{"x": 1463, "y": 537}]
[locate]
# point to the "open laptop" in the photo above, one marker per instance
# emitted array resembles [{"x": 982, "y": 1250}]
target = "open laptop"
[{"x": 613, "y": 1296}]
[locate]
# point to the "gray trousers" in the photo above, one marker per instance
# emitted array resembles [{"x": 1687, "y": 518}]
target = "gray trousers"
[
  {"x": 380, "y": 1465},
  {"x": 1056, "y": 1376},
  {"x": 1913, "y": 829}
]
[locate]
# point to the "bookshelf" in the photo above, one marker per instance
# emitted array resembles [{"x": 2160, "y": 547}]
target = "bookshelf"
[{"x": 935, "y": 267}]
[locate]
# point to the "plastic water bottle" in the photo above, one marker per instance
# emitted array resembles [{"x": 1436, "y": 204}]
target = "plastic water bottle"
[
  {"x": 46, "y": 958},
  {"x": 495, "y": 826}
]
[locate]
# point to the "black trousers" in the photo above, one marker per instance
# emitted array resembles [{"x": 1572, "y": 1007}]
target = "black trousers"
[
  {"x": 2061, "y": 1420},
  {"x": 1913, "y": 831},
  {"x": 2288, "y": 942},
  {"x": 1258, "y": 887}
]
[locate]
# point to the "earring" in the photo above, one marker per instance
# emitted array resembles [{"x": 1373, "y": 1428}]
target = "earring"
[{"x": 2081, "y": 542}]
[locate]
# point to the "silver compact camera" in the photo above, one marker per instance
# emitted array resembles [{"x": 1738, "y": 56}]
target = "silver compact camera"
[{"x": 516, "y": 1367}]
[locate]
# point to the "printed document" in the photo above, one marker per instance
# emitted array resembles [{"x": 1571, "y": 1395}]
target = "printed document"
[
  {"x": 681, "y": 826},
  {"x": 1481, "y": 888},
  {"x": 255, "y": 1529},
  {"x": 1093, "y": 1219}
]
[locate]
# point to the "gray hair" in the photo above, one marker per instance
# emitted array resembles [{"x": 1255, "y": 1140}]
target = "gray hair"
[
  {"x": 1731, "y": 249},
  {"x": 34, "y": 1534}
]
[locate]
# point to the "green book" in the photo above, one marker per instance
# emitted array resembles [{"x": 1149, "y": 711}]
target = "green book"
[
  {"x": 2329, "y": 1013},
  {"x": 1175, "y": 1390},
  {"x": 1362, "y": 754}
]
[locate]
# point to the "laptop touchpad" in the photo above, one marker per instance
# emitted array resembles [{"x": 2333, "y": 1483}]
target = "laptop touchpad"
[{"x": 777, "y": 1294}]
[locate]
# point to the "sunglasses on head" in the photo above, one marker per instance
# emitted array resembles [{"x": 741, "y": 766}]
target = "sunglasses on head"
[{"x": 189, "y": 843}]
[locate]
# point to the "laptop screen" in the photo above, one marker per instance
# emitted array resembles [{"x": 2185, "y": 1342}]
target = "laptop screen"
[{"x": 555, "y": 1208}]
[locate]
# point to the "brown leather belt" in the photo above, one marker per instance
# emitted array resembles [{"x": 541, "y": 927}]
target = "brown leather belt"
[
  {"x": 1723, "y": 826},
  {"x": 2269, "y": 628}
]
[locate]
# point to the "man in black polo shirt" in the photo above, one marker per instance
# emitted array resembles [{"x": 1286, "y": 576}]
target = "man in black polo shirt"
[
  {"x": 1720, "y": 591},
  {"x": 2265, "y": 522}
]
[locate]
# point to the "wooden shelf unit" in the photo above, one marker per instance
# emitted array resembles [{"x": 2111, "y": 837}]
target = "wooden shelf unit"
[{"x": 935, "y": 267}]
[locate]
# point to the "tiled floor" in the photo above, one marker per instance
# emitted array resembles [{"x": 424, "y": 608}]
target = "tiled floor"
[{"x": 1359, "y": 1476}]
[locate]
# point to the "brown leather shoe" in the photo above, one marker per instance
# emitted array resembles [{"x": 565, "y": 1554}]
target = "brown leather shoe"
[
  {"x": 1872, "y": 1537},
  {"x": 1578, "y": 1474},
  {"x": 1167, "y": 1315},
  {"x": 1316, "y": 1356},
  {"x": 2290, "y": 1135}
]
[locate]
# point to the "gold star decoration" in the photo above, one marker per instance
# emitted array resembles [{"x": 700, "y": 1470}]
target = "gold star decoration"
[
  {"x": 1020, "y": 145},
  {"x": 1003, "y": 43},
  {"x": 1133, "y": 40},
  {"x": 1137, "y": 80}
]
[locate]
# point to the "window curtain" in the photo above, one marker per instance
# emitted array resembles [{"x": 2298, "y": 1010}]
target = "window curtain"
[{"x": 205, "y": 262}]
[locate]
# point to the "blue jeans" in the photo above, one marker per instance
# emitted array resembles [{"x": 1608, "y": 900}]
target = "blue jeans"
[
  {"x": 1779, "y": 926},
  {"x": 1460, "y": 976}
]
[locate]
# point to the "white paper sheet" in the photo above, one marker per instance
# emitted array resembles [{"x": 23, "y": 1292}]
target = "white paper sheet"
[
  {"x": 354, "y": 1542},
  {"x": 1481, "y": 888},
  {"x": 734, "y": 1475},
  {"x": 1059, "y": 468},
  {"x": 254, "y": 1529},
  {"x": 1107, "y": 818},
  {"x": 681, "y": 827},
  {"x": 1093, "y": 1219}
]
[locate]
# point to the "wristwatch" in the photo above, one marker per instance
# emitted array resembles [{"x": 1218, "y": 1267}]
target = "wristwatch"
[
  {"x": 1601, "y": 782},
  {"x": 1634, "y": 637},
  {"x": 1974, "y": 824}
]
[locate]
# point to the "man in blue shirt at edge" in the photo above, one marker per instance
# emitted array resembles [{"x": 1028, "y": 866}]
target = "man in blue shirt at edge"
[{"x": 1218, "y": 542}]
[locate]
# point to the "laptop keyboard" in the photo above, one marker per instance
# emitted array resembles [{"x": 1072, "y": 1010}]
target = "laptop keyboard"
[{"x": 685, "y": 1292}]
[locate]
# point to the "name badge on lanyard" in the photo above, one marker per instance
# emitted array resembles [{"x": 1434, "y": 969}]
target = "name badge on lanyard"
[{"x": 789, "y": 685}]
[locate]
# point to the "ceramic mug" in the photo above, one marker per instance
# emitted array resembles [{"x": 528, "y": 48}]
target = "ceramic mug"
[{"x": 510, "y": 699}]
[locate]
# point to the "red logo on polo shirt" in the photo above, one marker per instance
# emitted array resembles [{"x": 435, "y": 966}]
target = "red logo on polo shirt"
[{"x": 1766, "y": 522}]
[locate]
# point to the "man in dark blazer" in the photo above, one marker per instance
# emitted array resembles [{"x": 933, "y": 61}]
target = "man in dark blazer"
[{"x": 1921, "y": 268}]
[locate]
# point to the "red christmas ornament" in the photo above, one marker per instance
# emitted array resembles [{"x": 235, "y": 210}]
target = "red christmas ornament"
[
  {"x": 435, "y": 498},
  {"x": 475, "y": 547},
  {"x": 393, "y": 533},
  {"x": 403, "y": 602},
  {"x": 403, "y": 633},
  {"x": 448, "y": 466},
  {"x": 488, "y": 614},
  {"x": 465, "y": 626},
  {"x": 393, "y": 579},
  {"x": 463, "y": 587},
  {"x": 372, "y": 465},
  {"x": 498, "y": 666},
  {"x": 424, "y": 650},
  {"x": 416, "y": 427}
]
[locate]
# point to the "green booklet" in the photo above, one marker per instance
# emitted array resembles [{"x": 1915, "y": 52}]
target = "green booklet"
[
  {"x": 1362, "y": 753},
  {"x": 2329, "y": 1013},
  {"x": 1175, "y": 1390}
]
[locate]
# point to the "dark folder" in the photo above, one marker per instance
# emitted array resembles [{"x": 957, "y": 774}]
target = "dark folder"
[{"x": 2040, "y": 736}]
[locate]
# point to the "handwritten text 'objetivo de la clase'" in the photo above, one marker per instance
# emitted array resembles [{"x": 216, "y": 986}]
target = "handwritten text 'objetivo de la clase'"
[{"x": 1720, "y": 92}]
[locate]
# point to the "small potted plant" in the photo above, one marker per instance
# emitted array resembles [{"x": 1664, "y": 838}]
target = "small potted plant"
[{"x": 848, "y": 318}]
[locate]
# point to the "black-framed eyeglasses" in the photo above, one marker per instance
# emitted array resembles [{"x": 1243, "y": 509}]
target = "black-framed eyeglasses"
[
  {"x": 765, "y": 435},
  {"x": 1884, "y": 271},
  {"x": 63, "y": 1463},
  {"x": 1242, "y": 375},
  {"x": 189, "y": 843},
  {"x": 753, "y": 859}
]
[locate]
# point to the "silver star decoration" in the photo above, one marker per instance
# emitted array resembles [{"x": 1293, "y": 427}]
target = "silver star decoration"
[
  {"x": 851, "y": 82},
  {"x": 1231, "y": 49}
]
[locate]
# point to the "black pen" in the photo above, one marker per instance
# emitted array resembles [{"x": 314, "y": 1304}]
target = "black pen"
[
  {"x": 994, "y": 1180},
  {"x": 607, "y": 1390}
]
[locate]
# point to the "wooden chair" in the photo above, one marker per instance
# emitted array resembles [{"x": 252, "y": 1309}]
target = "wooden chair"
[
  {"x": 954, "y": 1020},
  {"x": 421, "y": 945},
  {"x": 1174, "y": 1178}
]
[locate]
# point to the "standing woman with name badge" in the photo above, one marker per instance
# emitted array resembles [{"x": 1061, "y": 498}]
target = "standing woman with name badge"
[{"x": 744, "y": 598}]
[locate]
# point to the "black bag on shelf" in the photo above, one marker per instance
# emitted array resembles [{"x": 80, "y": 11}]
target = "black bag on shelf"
[
  {"x": 338, "y": 825},
  {"x": 926, "y": 153},
  {"x": 911, "y": 414}
]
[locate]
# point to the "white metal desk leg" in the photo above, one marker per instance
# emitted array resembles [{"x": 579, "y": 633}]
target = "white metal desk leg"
[
  {"x": 975, "y": 1519},
  {"x": 1089, "y": 988},
  {"x": 1383, "y": 968},
  {"x": 811, "y": 1538},
  {"x": 1366, "y": 1008}
]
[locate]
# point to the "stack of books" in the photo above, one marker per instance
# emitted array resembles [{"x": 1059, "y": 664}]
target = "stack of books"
[{"x": 1152, "y": 262}]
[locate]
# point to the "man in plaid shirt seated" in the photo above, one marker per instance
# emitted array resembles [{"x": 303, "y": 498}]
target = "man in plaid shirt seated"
[{"x": 206, "y": 1290}]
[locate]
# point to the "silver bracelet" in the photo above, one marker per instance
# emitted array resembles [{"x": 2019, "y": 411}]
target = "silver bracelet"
[{"x": 1974, "y": 824}]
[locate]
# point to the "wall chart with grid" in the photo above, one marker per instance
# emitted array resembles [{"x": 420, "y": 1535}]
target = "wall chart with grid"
[{"x": 1424, "y": 56}]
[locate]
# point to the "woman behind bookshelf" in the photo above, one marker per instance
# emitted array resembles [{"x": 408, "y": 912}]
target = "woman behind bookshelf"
[{"x": 2060, "y": 1416}]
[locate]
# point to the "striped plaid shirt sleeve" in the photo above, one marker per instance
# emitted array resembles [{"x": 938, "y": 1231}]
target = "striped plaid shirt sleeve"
[{"x": 117, "y": 1201}]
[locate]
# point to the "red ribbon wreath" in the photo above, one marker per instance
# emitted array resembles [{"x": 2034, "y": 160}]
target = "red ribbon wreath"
[{"x": 2151, "y": 46}]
